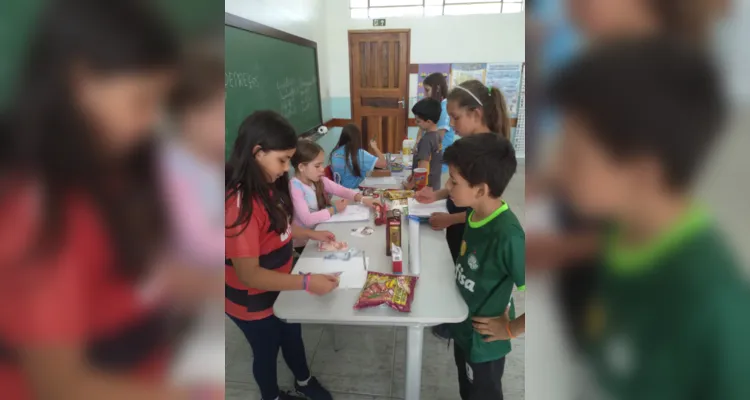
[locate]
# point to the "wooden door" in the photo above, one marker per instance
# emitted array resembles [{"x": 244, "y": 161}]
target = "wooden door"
[{"x": 379, "y": 82}]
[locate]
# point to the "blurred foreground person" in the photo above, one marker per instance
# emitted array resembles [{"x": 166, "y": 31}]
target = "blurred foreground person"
[
  {"x": 84, "y": 278},
  {"x": 666, "y": 317},
  {"x": 692, "y": 20},
  {"x": 599, "y": 21},
  {"x": 570, "y": 240},
  {"x": 194, "y": 163}
]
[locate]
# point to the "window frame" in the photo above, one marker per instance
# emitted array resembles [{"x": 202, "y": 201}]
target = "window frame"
[{"x": 443, "y": 4}]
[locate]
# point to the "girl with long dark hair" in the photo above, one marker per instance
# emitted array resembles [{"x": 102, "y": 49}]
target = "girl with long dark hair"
[
  {"x": 436, "y": 87},
  {"x": 259, "y": 250},
  {"x": 350, "y": 162}
]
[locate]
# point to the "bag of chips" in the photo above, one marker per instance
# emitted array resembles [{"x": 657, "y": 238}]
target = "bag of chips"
[
  {"x": 397, "y": 291},
  {"x": 398, "y": 194}
]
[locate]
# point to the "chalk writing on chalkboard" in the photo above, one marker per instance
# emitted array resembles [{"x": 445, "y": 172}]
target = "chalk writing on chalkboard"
[
  {"x": 288, "y": 96},
  {"x": 243, "y": 80},
  {"x": 306, "y": 93}
]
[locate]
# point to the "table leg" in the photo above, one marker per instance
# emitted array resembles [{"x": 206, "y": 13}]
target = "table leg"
[{"x": 414, "y": 342}]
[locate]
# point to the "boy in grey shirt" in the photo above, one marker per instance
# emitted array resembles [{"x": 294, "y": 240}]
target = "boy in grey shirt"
[{"x": 428, "y": 152}]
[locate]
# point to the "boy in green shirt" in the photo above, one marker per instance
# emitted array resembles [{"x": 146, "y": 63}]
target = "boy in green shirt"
[
  {"x": 491, "y": 261},
  {"x": 668, "y": 317}
]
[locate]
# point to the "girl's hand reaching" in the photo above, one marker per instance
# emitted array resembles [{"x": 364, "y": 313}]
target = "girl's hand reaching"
[
  {"x": 369, "y": 202},
  {"x": 340, "y": 205},
  {"x": 322, "y": 236},
  {"x": 426, "y": 195},
  {"x": 373, "y": 144},
  {"x": 322, "y": 284}
]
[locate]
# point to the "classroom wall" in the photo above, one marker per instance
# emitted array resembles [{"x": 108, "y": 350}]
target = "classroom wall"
[
  {"x": 433, "y": 40},
  {"x": 471, "y": 38}
]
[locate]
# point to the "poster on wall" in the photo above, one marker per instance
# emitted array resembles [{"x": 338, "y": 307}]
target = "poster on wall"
[
  {"x": 426, "y": 70},
  {"x": 465, "y": 72},
  {"x": 519, "y": 138},
  {"x": 507, "y": 78}
]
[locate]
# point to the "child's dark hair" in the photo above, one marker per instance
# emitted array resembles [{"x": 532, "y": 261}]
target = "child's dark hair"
[
  {"x": 689, "y": 21},
  {"x": 437, "y": 82},
  {"x": 495, "y": 112},
  {"x": 428, "y": 110},
  {"x": 486, "y": 158},
  {"x": 201, "y": 78},
  {"x": 351, "y": 139},
  {"x": 245, "y": 177},
  {"x": 52, "y": 141},
  {"x": 307, "y": 151},
  {"x": 647, "y": 97}
]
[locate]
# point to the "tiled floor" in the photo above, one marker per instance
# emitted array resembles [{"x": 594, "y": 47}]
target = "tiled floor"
[{"x": 367, "y": 363}]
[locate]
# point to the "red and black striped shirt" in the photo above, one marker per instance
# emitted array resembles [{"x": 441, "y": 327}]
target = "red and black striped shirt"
[
  {"x": 72, "y": 297},
  {"x": 273, "y": 251}
]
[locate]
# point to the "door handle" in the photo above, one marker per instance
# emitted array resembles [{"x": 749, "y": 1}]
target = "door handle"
[{"x": 401, "y": 102}]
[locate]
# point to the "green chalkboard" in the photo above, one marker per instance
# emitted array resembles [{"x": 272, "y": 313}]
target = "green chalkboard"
[
  {"x": 266, "y": 69},
  {"x": 16, "y": 22}
]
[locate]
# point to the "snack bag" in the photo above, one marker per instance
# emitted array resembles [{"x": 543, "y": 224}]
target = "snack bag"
[
  {"x": 397, "y": 291},
  {"x": 398, "y": 194},
  {"x": 397, "y": 259},
  {"x": 332, "y": 246}
]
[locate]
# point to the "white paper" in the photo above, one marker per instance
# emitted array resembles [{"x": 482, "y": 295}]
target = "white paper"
[
  {"x": 425, "y": 210},
  {"x": 381, "y": 181},
  {"x": 352, "y": 213},
  {"x": 353, "y": 272}
]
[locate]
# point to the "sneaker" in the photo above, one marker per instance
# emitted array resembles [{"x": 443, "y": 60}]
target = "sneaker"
[
  {"x": 313, "y": 390},
  {"x": 441, "y": 331},
  {"x": 283, "y": 395}
]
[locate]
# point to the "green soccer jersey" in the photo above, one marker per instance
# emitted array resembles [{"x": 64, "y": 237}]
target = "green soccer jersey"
[
  {"x": 491, "y": 261},
  {"x": 671, "y": 321}
]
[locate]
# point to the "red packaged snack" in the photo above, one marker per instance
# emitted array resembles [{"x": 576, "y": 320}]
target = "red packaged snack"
[
  {"x": 397, "y": 291},
  {"x": 380, "y": 214},
  {"x": 396, "y": 259}
]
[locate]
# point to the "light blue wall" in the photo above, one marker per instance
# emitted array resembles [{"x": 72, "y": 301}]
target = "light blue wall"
[
  {"x": 329, "y": 140},
  {"x": 341, "y": 107}
]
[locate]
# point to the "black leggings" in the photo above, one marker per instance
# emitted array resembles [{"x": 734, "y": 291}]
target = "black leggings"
[
  {"x": 266, "y": 336},
  {"x": 479, "y": 381}
]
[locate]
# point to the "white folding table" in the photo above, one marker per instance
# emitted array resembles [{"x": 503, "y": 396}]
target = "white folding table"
[{"x": 436, "y": 298}]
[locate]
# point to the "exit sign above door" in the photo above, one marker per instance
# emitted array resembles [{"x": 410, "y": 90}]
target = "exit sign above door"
[{"x": 378, "y": 22}]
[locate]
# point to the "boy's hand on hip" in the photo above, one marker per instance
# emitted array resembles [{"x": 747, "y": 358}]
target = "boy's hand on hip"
[{"x": 493, "y": 328}]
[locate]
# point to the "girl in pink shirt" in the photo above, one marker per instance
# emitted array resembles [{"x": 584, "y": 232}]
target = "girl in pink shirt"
[{"x": 311, "y": 191}]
